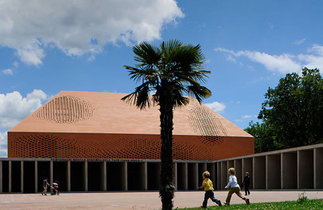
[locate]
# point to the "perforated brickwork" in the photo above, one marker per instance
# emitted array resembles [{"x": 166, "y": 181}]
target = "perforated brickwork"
[
  {"x": 204, "y": 122},
  {"x": 122, "y": 146},
  {"x": 65, "y": 109}
]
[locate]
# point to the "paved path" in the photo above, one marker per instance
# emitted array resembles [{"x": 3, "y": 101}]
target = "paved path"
[{"x": 134, "y": 200}]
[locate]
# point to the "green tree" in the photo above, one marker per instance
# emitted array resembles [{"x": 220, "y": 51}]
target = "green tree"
[
  {"x": 170, "y": 73},
  {"x": 292, "y": 112},
  {"x": 265, "y": 138}
]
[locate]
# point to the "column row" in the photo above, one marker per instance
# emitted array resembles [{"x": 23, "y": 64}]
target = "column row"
[
  {"x": 299, "y": 169},
  {"x": 87, "y": 175}
]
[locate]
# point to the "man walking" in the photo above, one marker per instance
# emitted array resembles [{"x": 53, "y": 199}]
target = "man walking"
[
  {"x": 45, "y": 185},
  {"x": 246, "y": 183}
]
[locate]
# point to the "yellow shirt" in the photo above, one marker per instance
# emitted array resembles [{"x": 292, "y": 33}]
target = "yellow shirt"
[{"x": 207, "y": 184}]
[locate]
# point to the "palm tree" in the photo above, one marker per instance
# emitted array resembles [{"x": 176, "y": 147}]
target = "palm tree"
[{"x": 170, "y": 73}]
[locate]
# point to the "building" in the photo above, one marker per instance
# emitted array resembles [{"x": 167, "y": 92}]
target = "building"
[
  {"x": 101, "y": 125},
  {"x": 96, "y": 142}
]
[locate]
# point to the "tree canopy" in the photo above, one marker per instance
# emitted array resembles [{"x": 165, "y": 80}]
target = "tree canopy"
[{"x": 292, "y": 113}]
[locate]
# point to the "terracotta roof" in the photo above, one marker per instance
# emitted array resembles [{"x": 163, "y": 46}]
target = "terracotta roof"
[{"x": 98, "y": 112}]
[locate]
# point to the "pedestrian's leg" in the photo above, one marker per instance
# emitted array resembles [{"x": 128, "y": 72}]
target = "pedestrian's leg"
[
  {"x": 227, "y": 201},
  {"x": 246, "y": 190},
  {"x": 237, "y": 191},
  {"x": 206, "y": 197},
  {"x": 217, "y": 201}
]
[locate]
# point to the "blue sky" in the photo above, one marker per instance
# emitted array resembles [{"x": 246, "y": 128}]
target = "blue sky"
[{"x": 49, "y": 46}]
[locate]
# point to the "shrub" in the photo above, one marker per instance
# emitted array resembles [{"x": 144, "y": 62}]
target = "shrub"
[{"x": 302, "y": 198}]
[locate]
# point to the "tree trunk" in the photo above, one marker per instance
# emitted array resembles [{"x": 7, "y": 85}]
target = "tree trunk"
[{"x": 167, "y": 188}]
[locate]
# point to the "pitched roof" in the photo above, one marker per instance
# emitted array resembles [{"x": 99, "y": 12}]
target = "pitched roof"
[{"x": 98, "y": 112}]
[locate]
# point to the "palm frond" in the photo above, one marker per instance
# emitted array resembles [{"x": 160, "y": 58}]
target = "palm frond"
[
  {"x": 146, "y": 54},
  {"x": 199, "y": 92},
  {"x": 137, "y": 74},
  {"x": 140, "y": 97}
]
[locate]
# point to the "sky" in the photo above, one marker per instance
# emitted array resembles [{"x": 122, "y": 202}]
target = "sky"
[{"x": 49, "y": 46}]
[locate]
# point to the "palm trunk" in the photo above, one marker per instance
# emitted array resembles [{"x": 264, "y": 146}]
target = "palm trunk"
[{"x": 167, "y": 188}]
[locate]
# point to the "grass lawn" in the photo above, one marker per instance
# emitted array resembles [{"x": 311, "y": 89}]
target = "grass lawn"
[{"x": 309, "y": 204}]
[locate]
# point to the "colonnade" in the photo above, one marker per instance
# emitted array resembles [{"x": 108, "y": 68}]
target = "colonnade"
[{"x": 295, "y": 168}]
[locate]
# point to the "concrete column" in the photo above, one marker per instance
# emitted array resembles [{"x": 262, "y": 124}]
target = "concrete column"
[
  {"x": 211, "y": 169},
  {"x": 243, "y": 171},
  {"x": 314, "y": 168},
  {"x": 289, "y": 170},
  {"x": 68, "y": 171},
  {"x": 267, "y": 171},
  {"x": 247, "y": 166},
  {"x": 124, "y": 176},
  {"x": 281, "y": 171},
  {"x": 230, "y": 164},
  {"x": 259, "y": 170},
  {"x": 144, "y": 176},
  {"x": 253, "y": 170},
  {"x": 174, "y": 175},
  {"x": 195, "y": 176},
  {"x": 298, "y": 170},
  {"x": 1, "y": 177},
  {"x": 273, "y": 178},
  {"x": 318, "y": 181},
  {"x": 21, "y": 176},
  {"x": 305, "y": 169},
  {"x": 218, "y": 174},
  {"x": 36, "y": 176},
  {"x": 104, "y": 175},
  {"x": 273, "y": 171},
  {"x": 238, "y": 168},
  {"x": 204, "y": 168},
  {"x": 224, "y": 174},
  {"x": 51, "y": 172},
  {"x": 185, "y": 176},
  {"x": 9, "y": 175},
  {"x": 86, "y": 185}
]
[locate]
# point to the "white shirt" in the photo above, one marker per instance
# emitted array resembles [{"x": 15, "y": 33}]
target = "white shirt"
[{"x": 232, "y": 182}]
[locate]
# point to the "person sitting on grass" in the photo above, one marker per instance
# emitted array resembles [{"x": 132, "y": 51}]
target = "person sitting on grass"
[
  {"x": 233, "y": 187},
  {"x": 208, "y": 188}
]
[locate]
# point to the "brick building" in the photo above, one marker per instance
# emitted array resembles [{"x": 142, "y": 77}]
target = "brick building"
[{"x": 101, "y": 125}]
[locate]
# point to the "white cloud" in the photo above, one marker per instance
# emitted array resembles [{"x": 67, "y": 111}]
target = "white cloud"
[
  {"x": 300, "y": 41},
  {"x": 14, "y": 107},
  {"x": 247, "y": 116},
  {"x": 7, "y": 71},
  {"x": 284, "y": 63},
  {"x": 31, "y": 54},
  {"x": 314, "y": 57},
  {"x": 216, "y": 106},
  {"x": 15, "y": 64},
  {"x": 80, "y": 27},
  {"x": 3, "y": 144}
]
